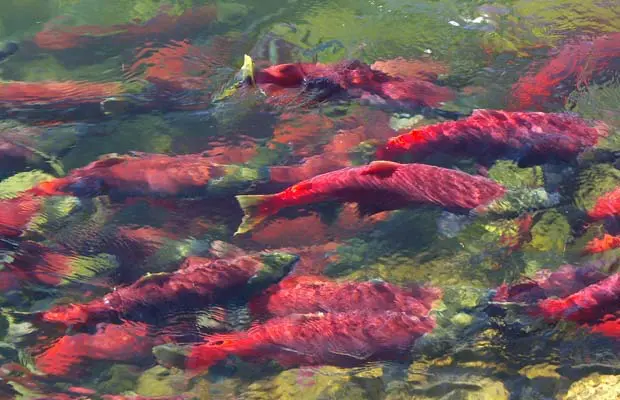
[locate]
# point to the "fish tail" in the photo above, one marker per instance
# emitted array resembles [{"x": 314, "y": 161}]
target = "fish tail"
[{"x": 255, "y": 210}]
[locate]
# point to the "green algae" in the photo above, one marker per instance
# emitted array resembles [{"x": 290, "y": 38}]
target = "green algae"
[
  {"x": 510, "y": 175},
  {"x": 118, "y": 378},
  {"x": 160, "y": 381},
  {"x": 12, "y": 186},
  {"x": 83, "y": 267},
  {"x": 550, "y": 233}
]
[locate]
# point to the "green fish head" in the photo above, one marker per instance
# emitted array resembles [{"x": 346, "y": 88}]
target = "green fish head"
[{"x": 276, "y": 265}]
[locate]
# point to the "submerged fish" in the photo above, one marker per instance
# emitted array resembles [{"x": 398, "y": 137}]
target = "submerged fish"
[
  {"x": 308, "y": 294},
  {"x": 198, "y": 283},
  {"x": 608, "y": 205},
  {"x": 35, "y": 263},
  {"x": 128, "y": 342},
  {"x": 53, "y": 94},
  {"x": 342, "y": 339},
  {"x": 599, "y": 245},
  {"x": 576, "y": 64},
  {"x": 529, "y": 138},
  {"x": 17, "y": 213},
  {"x": 382, "y": 186},
  {"x": 323, "y": 81},
  {"x": 144, "y": 174},
  {"x": 163, "y": 25},
  {"x": 587, "y": 305},
  {"x": 583, "y": 295}
]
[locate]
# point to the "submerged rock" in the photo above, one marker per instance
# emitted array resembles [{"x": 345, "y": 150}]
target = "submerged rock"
[{"x": 595, "y": 386}]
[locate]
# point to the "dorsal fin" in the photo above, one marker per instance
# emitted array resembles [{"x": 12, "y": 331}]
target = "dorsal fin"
[{"x": 383, "y": 169}]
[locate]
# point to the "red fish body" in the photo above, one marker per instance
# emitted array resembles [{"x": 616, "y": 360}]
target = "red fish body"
[
  {"x": 17, "y": 213},
  {"x": 55, "y": 94},
  {"x": 354, "y": 77},
  {"x": 583, "y": 295},
  {"x": 35, "y": 263},
  {"x": 376, "y": 187},
  {"x": 607, "y": 242},
  {"x": 308, "y": 294},
  {"x": 575, "y": 64},
  {"x": 139, "y": 174},
  {"x": 587, "y": 305},
  {"x": 608, "y": 205},
  {"x": 197, "y": 283},
  {"x": 62, "y": 38},
  {"x": 528, "y": 137},
  {"x": 342, "y": 339},
  {"x": 561, "y": 283},
  {"x": 126, "y": 342}
]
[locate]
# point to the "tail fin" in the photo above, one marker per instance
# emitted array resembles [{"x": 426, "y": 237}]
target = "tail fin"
[{"x": 254, "y": 212}]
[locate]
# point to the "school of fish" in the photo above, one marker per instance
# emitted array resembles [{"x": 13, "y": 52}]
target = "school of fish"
[{"x": 149, "y": 287}]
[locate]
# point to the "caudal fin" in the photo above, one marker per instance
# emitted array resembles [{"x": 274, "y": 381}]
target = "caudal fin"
[{"x": 254, "y": 211}]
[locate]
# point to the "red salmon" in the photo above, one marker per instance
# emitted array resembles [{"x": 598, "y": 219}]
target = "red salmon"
[
  {"x": 379, "y": 186},
  {"x": 527, "y": 137}
]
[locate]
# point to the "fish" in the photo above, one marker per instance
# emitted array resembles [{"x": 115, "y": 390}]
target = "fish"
[
  {"x": 577, "y": 63},
  {"x": 197, "y": 283},
  {"x": 386, "y": 185},
  {"x": 17, "y": 213},
  {"x": 321, "y": 82},
  {"x": 529, "y": 138},
  {"x": 600, "y": 245},
  {"x": 584, "y": 295},
  {"x": 586, "y": 305},
  {"x": 127, "y": 342},
  {"x": 54, "y": 94},
  {"x": 563, "y": 282},
  {"x": 146, "y": 175},
  {"x": 342, "y": 339},
  {"x": 607, "y": 205},
  {"x": 164, "y": 25},
  {"x": 34, "y": 263},
  {"x": 307, "y": 294}
]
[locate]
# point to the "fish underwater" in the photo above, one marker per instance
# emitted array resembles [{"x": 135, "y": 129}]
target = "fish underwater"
[
  {"x": 383, "y": 186},
  {"x": 529, "y": 138},
  {"x": 585, "y": 295},
  {"x": 34, "y": 263},
  {"x": 196, "y": 284},
  {"x": 307, "y": 294},
  {"x": 576, "y": 64},
  {"x": 600, "y": 245},
  {"x": 143, "y": 174},
  {"x": 342, "y": 339},
  {"x": 320, "y": 82},
  {"x": 607, "y": 205},
  {"x": 127, "y": 342},
  {"x": 57, "y": 38}
]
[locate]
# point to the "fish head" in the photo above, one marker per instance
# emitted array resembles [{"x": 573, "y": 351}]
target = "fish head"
[
  {"x": 87, "y": 187},
  {"x": 321, "y": 89},
  {"x": 275, "y": 265}
]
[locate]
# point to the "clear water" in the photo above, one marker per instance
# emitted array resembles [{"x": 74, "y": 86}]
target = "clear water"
[{"x": 161, "y": 63}]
